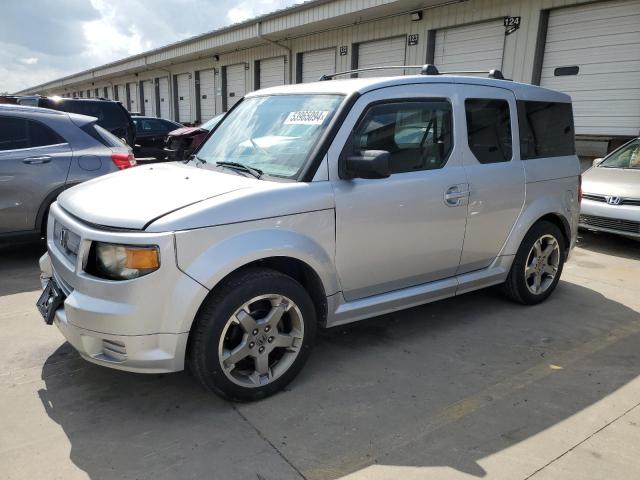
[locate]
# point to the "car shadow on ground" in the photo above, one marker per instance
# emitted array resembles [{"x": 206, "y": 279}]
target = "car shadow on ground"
[
  {"x": 19, "y": 269},
  {"x": 445, "y": 384},
  {"x": 609, "y": 244}
]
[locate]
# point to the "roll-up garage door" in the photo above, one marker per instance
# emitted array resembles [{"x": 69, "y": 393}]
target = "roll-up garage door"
[
  {"x": 235, "y": 84},
  {"x": 149, "y": 93},
  {"x": 122, "y": 94},
  {"x": 470, "y": 47},
  {"x": 380, "y": 53},
  {"x": 165, "y": 99},
  {"x": 271, "y": 72},
  {"x": 133, "y": 97},
  {"x": 592, "y": 52},
  {"x": 207, "y": 95},
  {"x": 318, "y": 63},
  {"x": 184, "y": 98}
]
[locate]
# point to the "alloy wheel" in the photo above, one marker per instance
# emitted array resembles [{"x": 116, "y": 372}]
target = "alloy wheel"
[
  {"x": 542, "y": 264},
  {"x": 261, "y": 340}
]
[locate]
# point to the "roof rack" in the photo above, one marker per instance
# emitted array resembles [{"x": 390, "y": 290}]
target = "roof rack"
[{"x": 427, "y": 69}]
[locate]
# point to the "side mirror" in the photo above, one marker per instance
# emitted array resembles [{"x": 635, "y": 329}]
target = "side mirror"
[
  {"x": 369, "y": 164},
  {"x": 597, "y": 161}
]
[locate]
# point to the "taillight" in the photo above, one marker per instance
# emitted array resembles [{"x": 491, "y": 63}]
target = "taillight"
[
  {"x": 123, "y": 160},
  {"x": 579, "y": 189}
]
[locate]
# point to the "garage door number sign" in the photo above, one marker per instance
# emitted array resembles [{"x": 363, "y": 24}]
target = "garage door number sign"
[{"x": 511, "y": 24}]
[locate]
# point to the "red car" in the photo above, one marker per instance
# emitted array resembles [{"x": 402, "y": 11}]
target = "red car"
[{"x": 181, "y": 143}]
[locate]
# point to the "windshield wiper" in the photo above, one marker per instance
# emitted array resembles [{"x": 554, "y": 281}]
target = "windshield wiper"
[{"x": 256, "y": 172}]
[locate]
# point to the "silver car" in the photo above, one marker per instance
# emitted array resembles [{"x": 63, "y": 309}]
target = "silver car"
[
  {"x": 314, "y": 205},
  {"x": 43, "y": 152},
  {"x": 612, "y": 193}
]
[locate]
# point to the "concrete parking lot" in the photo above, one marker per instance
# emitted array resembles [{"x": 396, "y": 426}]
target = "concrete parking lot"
[{"x": 471, "y": 387}]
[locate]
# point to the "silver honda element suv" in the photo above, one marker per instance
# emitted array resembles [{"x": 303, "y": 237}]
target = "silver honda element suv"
[{"x": 314, "y": 205}]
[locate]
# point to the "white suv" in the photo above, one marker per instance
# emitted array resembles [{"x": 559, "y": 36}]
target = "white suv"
[{"x": 314, "y": 205}]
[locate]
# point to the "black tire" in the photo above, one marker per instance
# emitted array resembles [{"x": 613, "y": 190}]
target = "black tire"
[
  {"x": 515, "y": 287},
  {"x": 221, "y": 304}
]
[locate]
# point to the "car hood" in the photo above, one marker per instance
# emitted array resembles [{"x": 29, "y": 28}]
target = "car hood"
[
  {"x": 186, "y": 131},
  {"x": 612, "y": 181},
  {"x": 133, "y": 198}
]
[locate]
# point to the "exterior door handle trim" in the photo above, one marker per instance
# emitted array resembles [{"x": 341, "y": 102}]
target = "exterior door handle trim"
[
  {"x": 37, "y": 160},
  {"x": 456, "y": 195}
]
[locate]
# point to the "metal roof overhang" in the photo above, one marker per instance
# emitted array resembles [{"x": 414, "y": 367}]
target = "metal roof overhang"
[{"x": 277, "y": 26}]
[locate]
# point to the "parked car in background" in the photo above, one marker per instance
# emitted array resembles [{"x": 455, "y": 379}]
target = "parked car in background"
[
  {"x": 111, "y": 115},
  {"x": 311, "y": 205},
  {"x": 611, "y": 199},
  {"x": 43, "y": 152},
  {"x": 181, "y": 143},
  {"x": 151, "y": 133}
]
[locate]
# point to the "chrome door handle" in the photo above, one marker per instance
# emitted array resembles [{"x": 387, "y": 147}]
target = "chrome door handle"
[
  {"x": 456, "y": 195},
  {"x": 37, "y": 160}
]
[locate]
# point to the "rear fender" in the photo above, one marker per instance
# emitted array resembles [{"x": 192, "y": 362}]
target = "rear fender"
[{"x": 544, "y": 199}]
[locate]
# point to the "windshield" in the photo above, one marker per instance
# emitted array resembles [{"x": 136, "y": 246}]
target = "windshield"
[
  {"x": 209, "y": 124},
  {"x": 275, "y": 134},
  {"x": 627, "y": 157}
]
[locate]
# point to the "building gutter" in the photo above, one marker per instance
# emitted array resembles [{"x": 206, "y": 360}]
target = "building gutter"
[{"x": 273, "y": 42}]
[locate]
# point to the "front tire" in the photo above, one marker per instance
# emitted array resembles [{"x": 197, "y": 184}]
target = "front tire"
[
  {"x": 537, "y": 266},
  {"x": 252, "y": 335}
]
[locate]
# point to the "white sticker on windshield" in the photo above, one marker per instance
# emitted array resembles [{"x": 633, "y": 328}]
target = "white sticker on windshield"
[{"x": 306, "y": 117}]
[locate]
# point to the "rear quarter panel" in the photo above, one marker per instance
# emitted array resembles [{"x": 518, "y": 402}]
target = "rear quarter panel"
[{"x": 551, "y": 187}]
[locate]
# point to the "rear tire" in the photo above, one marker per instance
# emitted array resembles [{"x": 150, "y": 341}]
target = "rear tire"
[
  {"x": 537, "y": 266},
  {"x": 252, "y": 335}
]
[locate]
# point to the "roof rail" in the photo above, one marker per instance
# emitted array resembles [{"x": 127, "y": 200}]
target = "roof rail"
[
  {"x": 427, "y": 69},
  {"x": 368, "y": 69}
]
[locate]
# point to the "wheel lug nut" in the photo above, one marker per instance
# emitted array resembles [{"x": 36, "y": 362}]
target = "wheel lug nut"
[
  {"x": 261, "y": 349},
  {"x": 251, "y": 344},
  {"x": 255, "y": 331},
  {"x": 267, "y": 328},
  {"x": 270, "y": 339}
]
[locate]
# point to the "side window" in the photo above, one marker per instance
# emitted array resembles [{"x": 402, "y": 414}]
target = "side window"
[
  {"x": 40, "y": 135},
  {"x": 417, "y": 134},
  {"x": 152, "y": 125},
  {"x": 16, "y": 133},
  {"x": 546, "y": 129},
  {"x": 489, "y": 129},
  {"x": 13, "y": 133}
]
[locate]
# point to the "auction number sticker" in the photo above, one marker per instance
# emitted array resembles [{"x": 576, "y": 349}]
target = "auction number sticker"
[{"x": 306, "y": 117}]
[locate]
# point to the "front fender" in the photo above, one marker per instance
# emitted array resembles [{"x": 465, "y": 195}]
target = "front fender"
[{"x": 208, "y": 255}]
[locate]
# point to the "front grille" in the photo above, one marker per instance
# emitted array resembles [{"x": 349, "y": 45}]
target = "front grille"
[
  {"x": 175, "y": 143},
  {"x": 595, "y": 198},
  {"x": 603, "y": 198},
  {"x": 628, "y": 226},
  {"x": 66, "y": 241}
]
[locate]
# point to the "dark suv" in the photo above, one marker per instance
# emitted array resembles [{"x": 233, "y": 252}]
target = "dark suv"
[{"x": 111, "y": 115}]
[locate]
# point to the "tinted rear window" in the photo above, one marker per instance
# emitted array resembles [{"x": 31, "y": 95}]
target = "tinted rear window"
[
  {"x": 17, "y": 133},
  {"x": 110, "y": 115},
  {"x": 489, "y": 129},
  {"x": 101, "y": 135},
  {"x": 546, "y": 129}
]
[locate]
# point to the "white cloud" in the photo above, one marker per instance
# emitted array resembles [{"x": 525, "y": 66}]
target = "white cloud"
[{"x": 92, "y": 33}]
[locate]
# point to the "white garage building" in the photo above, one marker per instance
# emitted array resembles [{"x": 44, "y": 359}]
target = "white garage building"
[{"x": 589, "y": 49}]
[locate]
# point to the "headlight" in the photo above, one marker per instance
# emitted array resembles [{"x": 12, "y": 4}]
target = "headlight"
[{"x": 123, "y": 262}]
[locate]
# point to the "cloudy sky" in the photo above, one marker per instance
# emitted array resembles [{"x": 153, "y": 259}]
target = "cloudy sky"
[{"x": 41, "y": 40}]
